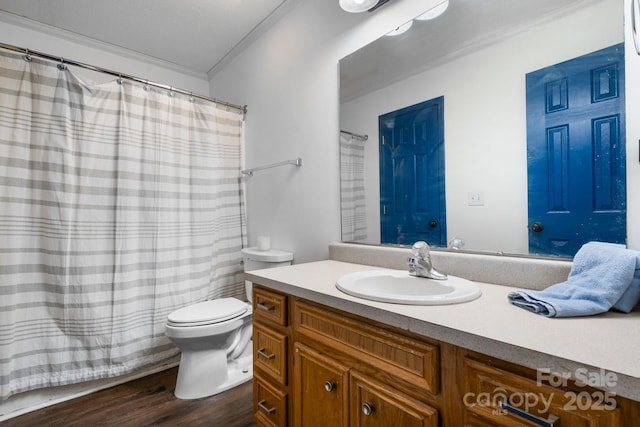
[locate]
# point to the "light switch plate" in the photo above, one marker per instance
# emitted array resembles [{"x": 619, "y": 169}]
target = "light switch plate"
[{"x": 476, "y": 198}]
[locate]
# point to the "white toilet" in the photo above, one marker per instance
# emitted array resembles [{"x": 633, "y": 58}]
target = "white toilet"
[{"x": 214, "y": 336}]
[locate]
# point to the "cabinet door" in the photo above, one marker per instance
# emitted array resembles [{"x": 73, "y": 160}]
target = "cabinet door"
[
  {"x": 376, "y": 405},
  {"x": 321, "y": 389}
]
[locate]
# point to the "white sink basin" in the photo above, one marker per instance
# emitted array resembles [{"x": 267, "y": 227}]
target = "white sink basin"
[{"x": 397, "y": 286}]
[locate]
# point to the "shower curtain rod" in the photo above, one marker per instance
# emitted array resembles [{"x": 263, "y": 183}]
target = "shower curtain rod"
[
  {"x": 362, "y": 137},
  {"x": 28, "y": 53}
]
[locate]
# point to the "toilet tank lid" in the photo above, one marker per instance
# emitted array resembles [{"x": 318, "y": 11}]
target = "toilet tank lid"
[
  {"x": 272, "y": 255},
  {"x": 217, "y": 310}
]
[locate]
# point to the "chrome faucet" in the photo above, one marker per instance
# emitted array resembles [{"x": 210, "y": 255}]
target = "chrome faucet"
[{"x": 420, "y": 263}]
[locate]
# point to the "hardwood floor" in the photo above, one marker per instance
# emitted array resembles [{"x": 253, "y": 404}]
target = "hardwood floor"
[{"x": 148, "y": 401}]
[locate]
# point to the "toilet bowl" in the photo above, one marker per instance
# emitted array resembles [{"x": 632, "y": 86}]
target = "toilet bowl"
[{"x": 213, "y": 337}]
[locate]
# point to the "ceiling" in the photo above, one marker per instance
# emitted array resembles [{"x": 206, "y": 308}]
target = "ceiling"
[{"x": 194, "y": 34}]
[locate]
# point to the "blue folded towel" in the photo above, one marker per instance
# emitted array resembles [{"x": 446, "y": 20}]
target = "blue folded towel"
[{"x": 603, "y": 276}]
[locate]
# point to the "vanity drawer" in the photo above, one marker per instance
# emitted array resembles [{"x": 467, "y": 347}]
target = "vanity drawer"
[
  {"x": 413, "y": 362},
  {"x": 487, "y": 386},
  {"x": 270, "y": 352},
  {"x": 270, "y": 306},
  {"x": 269, "y": 404}
]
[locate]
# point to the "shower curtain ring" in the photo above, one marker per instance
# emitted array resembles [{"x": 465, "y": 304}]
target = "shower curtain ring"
[
  {"x": 26, "y": 56},
  {"x": 170, "y": 93},
  {"x": 61, "y": 65},
  {"x": 119, "y": 80}
]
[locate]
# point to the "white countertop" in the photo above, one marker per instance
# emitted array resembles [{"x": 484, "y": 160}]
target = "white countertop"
[{"x": 489, "y": 324}]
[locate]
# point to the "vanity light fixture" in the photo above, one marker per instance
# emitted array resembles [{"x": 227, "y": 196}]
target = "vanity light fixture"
[
  {"x": 401, "y": 29},
  {"x": 434, "y": 12},
  {"x": 357, "y": 6}
]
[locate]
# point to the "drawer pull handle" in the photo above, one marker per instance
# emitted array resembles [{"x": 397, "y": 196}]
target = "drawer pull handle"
[
  {"x": 265, "y": 307},
  {"x": 549, "y": 422},
  {"x": 329, "y": 386},
  {"x": 262, "y": 353},
  {"x": 262, "y": 406},
  {"x": 368, "y": 409}
]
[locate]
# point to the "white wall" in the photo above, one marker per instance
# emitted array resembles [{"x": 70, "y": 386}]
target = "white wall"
[
  {"x": 289, "y": 79},
  {"x": 485, "y": 124}
]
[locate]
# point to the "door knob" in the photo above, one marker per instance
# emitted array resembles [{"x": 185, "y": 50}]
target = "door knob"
[
  {"x": 433, "y": 223},
  {"x": 329, "y": 386},
  {"x": 537, "y": 227}
]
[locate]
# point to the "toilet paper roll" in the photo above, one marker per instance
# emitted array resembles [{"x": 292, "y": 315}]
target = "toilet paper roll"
[{"x": 264, "y": 243}]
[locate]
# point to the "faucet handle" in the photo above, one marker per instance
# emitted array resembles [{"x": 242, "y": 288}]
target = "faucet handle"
[{"x": 420, "y": 249}]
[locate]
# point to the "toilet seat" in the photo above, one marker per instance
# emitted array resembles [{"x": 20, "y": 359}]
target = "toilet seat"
[{"x": 208, "y": 312}]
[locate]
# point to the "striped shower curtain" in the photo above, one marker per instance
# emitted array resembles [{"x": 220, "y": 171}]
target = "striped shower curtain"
[
  {"x": 352, "y": 195},
  {"x": 118, "y": 204}
]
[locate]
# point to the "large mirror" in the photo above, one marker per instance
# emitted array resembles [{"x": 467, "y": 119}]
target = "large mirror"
[{"x": 475, "y": 56}]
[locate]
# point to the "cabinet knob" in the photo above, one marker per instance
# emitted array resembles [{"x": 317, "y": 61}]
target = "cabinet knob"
[
  {"x": 368, "y": 409},
  {"x": 329, "y": 386}
]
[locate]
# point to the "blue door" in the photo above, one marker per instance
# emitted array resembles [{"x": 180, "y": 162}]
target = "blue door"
[
  {"x": 576, "y": 153},
  {"x": 412, "y": 196}
]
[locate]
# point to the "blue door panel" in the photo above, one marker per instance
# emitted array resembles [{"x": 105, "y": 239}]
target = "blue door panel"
[
  {"x": 558, "y": 164},
  {"x": 576, "y": 153},
  {"x": 609, "y": 193},
  {"x": 605, "y": 82}
]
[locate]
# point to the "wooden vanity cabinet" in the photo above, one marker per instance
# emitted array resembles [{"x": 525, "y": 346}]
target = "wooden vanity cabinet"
[{"x": 317, "y": 366}]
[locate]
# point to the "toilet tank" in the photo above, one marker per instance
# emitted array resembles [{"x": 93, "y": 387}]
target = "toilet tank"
[{"x": 255, "y": 259}]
